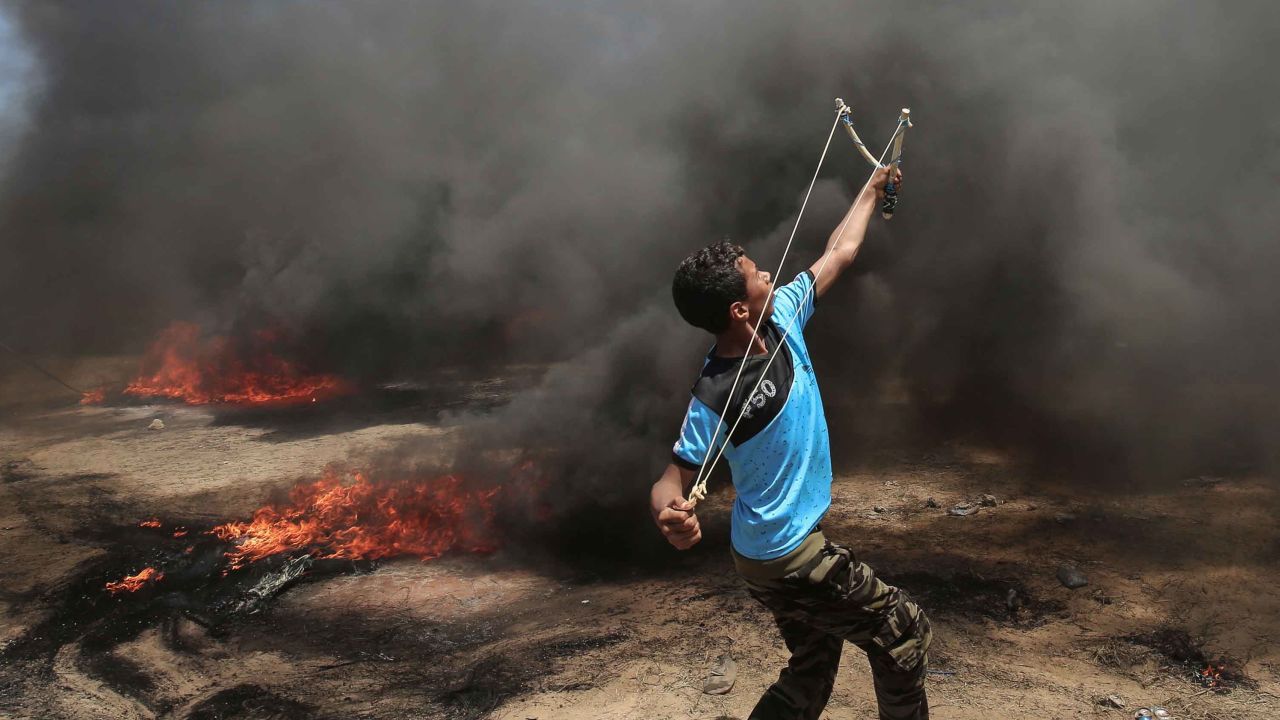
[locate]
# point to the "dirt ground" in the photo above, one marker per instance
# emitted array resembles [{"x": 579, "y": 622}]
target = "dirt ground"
[{"x": 1186, "y": 569}]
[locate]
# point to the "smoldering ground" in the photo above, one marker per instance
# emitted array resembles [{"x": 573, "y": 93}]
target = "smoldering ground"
[{"x": 1080, "y": 269}]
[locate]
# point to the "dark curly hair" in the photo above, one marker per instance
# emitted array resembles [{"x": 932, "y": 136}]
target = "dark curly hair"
[{"x": 707, "y": 283}]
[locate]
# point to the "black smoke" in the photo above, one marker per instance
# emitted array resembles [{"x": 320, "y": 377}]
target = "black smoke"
[{"x": 1081, "y": 268}]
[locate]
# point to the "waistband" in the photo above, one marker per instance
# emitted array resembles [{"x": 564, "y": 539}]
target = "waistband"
[{"x": 774, "y": 568}]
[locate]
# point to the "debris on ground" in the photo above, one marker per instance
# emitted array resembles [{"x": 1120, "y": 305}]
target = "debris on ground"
[
  {"x": 272, "y": 584},
  {"x": 1070, "y": 577},
  {"x": 1012, "y": 601},
  {"x": 1155, "y": 711},
  {"x": 1203, "y": 481},
  {"x": 1185, "y": 655},
  {"x": 1112, "y": 701},
  {"x": 1064, "y": 517},
  {"x": 722, "y": 676},
  {"x": 156, "y": 424},
  {"x": 962, "y": 509},
  {"x": 879, "y": 509},
  {"x": 931, "y": 503},
  {"x": 988, "y": 500}
]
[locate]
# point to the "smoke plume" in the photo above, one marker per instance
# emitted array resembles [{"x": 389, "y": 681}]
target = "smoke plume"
[{"x": 1080, "y": 268}]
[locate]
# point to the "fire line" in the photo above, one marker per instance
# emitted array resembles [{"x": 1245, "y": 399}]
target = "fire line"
[
  {"x": 364, "y": 520},
  {"x": 184, "y": 364}
]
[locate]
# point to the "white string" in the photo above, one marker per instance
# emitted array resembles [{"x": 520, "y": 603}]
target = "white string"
[{"x": 699, "y": 489}]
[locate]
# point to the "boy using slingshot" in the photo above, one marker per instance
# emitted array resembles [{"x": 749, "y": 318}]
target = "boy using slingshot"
[{"x": 757, "y": 401}]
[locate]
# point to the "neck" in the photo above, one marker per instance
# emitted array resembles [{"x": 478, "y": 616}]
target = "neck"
[{"x": 737, "y": 342}]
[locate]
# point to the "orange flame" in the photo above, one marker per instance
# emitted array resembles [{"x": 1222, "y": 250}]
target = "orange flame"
[
  {"x": 152, "y": 523},
  {"x": 364, "y": 520},
  {"x": 134, "y": 583},
  {"x": 183, "y": 365},
  {"x": 93, "y": 397}
]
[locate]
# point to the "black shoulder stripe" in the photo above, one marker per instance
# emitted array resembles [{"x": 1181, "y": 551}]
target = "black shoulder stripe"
[{"x": 717, "y": 378}]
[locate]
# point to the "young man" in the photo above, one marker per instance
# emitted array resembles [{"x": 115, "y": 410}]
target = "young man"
[{"x": 780, "y": 459}]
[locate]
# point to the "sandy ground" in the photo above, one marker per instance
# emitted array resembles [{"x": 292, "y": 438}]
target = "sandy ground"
[{"x": 515, "y": 637}]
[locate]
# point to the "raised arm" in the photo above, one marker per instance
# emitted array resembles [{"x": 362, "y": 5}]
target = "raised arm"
[{"x": 846, "y": 239}]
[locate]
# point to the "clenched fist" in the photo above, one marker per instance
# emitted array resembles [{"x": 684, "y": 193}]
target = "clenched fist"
[{"x": 679, "y": 524}]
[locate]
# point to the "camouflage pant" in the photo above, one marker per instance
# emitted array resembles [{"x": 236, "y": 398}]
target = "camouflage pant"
[{"x": 832, "y": 599}]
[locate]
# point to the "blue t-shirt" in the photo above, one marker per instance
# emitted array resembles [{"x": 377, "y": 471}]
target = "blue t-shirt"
[{"x": 780, "y": 454}]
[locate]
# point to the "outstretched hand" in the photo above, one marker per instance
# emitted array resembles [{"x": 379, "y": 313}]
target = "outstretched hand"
[{"x": 679, "y": 524}]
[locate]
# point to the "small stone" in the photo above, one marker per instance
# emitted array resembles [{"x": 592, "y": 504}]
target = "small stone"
[
  {"x": 963, "y": 509},
  {"x": 1070, "y": 577},
  {"x": 1064, "y": 518},
  {"x": 156, "y": 424},
  {"x": 988, "y": 501},
  {"x": 931, "y": 503},
  {"x": 722, "y": 676},
  {"x": 1114, "y": 701},
  {"x": 879, "y": 509}
]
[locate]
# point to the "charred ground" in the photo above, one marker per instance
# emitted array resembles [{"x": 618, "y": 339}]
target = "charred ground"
[{"x": 594, "y": 618}]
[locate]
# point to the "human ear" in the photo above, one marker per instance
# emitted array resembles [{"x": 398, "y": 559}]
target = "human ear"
[{"x": 739, "y": 311}]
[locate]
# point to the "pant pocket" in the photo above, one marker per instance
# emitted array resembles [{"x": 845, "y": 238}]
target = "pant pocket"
[{"x": 905, "y": 635}]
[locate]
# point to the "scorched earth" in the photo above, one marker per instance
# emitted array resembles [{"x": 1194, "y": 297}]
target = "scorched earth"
[{"x": 221, "y": 567}]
